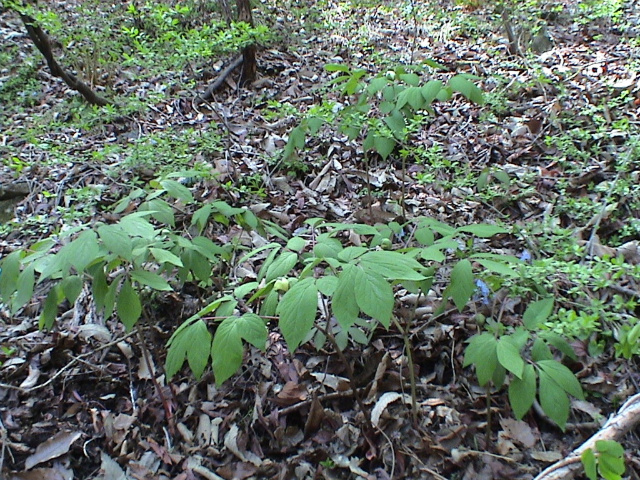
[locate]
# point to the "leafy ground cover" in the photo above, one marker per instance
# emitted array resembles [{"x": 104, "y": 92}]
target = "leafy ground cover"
[{"x": 297, "y": 192}]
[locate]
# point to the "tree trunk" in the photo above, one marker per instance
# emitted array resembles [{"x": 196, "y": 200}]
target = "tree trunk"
[{"x": 249, "y": 66}]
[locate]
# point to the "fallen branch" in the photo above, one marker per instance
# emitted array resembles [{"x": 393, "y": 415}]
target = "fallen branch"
[
  {"x": 41, "y": 40},
  {"x": 614, "y": 429},
  {"x": 208, "y": 94}
]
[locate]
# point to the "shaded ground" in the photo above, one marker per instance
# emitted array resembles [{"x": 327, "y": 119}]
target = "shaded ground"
[{"x": 560, "y": 122}]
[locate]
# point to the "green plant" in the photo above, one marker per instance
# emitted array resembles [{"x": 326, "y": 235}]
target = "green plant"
[
  {"x": 498, "y": 351},
  {"x": 323, "y": 291},
  {"x": 398, "y": 96},
  {"x": 124, "y": 262},
  {"x": 607, "y": 460}
]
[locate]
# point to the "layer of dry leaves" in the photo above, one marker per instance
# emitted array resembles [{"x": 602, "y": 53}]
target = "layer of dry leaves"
[{"x": 89, "y": 401}]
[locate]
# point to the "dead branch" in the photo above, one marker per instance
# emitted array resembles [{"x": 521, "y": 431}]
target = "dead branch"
[
  {"x": 208, "y": 94},
  {"x": 41, "y": 40},
  {"x": 614, "y": 429}
]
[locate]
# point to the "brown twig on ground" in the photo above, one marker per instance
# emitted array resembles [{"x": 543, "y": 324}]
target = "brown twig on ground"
[
  {"x": 627, "y": 417},
  {"x": 208, "y": 94}
]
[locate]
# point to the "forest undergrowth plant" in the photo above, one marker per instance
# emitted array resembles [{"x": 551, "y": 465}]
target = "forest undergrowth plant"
[
  {"x": 525, "y": 353},
  {"x": 321, "y": 290},
  {"x": 124, "y": 262},
  {"x": 382, "y": 109},
  {"x": 607, "y": 460}
]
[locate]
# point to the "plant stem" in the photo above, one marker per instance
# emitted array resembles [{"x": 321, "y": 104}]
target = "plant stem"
[
  {"x": 350, "y": 376},
  {"x": 412, "y": 373}
]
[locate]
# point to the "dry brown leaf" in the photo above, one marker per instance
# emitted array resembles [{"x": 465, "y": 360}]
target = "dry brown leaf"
[
  {"x": 383, "y": 402},
  {"x": 58, "y": 445}
]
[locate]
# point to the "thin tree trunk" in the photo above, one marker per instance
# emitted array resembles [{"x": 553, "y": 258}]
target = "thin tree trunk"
[{"x": 249, "y": 66}]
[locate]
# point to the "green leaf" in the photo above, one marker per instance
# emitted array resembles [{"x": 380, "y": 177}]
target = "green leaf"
[
  {"x": 509, "y": 356},
  {"x": 50, "y": 308},
  {"x": 610, "y": 447},
  {"x": 430, "y": 90},
  {"x": 386, "y": 107},
  {"x": 522, "y": 392},
  {"x": 71, "y": 287},
  {"x": 161, "y": 211},
  {"x": 483, "y": 180},
  {"x": 537, "y": 312},
  {"x": 461, "y": 285},
  {"x": 383, "y": 145},
  {"x": 460, "y": 83},
  {"x": 207, "y": 248},
  {"x": 482, "y": 230},
  {"x": 281, "y": 266},
  {"x": 564, "y": 377},
  {"x": 82, "y": 251},
  {"x": 502, "y": 176},
  {"x": 99, "y": 285},
  {"x": 24, "y": 289},
  {"x": 497, "y": 267},
  {"x": 411, "y": 96},
  {"x": 297, "y": 137},
  {"x": 351, "y": 253},
  {"x": 201, "y": 216},
  {"x": 560, "y": 343},
  {"x": 336, "y": 67},
  {"x": 9, "y": 275},
  {"x": 165, "y": 256},
  {"x": 116, "y": 240},
  {"x": 194, "y": 343},
  {"x": 327, "y": 247},
  {"x": 540, "y": 351},
  {"x": 343, "y": 303},
  {"x": 135, "y": 225},
  {"x": 392, "y": 265},
  {"x": 376, "y": 84},
  {"x": 227, "y": 349},
  {"x": 297, "y": 310},
  {"x": 481, "y": 352},
  {"x": 197, "y": 264},
  {"x": 177, "y": 190},
  {"x": 150, "y": 279},
  {"x": 327, "y": 285},
  {"x": 296, "y": 244},
  {"x": 589, "y": 464},
  {"x": 410, "y": 78},
  {"x": 315, "y": 124},
  {"x": 433, "y": 254},
  {"x": 425, "y": 236},
  {"x": 110, "y": 297},
  {"x": 374, "y": 295},
  {"x": 396, "y": 123},
  {"x": 553, "y": 400},
  {"x": 128, "y": 306},
  {"x": 610, "y": 466}
]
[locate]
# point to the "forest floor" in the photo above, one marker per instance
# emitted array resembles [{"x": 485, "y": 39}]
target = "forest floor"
[{"x": 560, "y": 119}]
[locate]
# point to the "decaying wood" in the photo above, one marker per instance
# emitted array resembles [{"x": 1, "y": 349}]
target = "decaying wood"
[
  {"x": 614, "y": 429},
  {"x": 41, "y": 40}
]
